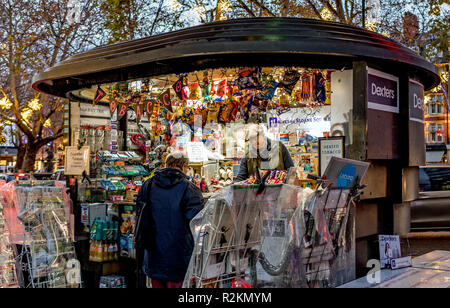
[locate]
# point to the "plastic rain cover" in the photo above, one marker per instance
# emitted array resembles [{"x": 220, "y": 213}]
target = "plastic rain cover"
[
  {"x": 35, "y": 215},
  {"x": 286, "y": 237}
]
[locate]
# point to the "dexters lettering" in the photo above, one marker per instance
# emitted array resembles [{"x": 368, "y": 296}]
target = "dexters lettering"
[{"x": 382, "y": 91}]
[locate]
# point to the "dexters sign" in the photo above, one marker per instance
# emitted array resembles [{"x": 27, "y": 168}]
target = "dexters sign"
[
  {"x": 382, "y": 91},
  {"x": 416, "y": 101}
]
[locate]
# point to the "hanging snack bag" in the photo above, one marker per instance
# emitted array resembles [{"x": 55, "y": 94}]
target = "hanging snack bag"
[
  {"x": 328, "y": 88},
  {"x": 221, "y": 88},
  {"x": 196, "y": 91},
  {"x": 225, "y": 114},
  {"x": 213, "y": 114},
  {"x": 320, "y": 92},
  {"x": 250, "y": 79},
  {"x": 289, "y": 80},
  {"x": 206, "y": 86},
  {"x": 268, "y": 91},
  {"x": 306, "y": 87}
]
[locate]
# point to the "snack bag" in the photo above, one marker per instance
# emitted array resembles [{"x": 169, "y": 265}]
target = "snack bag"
[
  {"x": 289, "y": 80},
  {"x": 226, "y": 111},
  {"x": 196, "y": 91},
  {"x": 213, "y": 113},
  {"x": 284, "y": 100},
  {"x": 249, "y": 79},
  {"x": 268, "y": 90},
  {"x": 221, "y": 88},
  {"x": 205, "y": 85},
  {"x": 319, "y": 92},
  {"x": 306, "y": 87}
]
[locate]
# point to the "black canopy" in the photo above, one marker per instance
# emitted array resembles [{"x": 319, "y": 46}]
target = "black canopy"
[{"x": 238, "y": 42}]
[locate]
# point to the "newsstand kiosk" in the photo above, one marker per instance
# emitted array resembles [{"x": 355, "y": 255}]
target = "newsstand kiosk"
[{"x": 325, "y": 90}]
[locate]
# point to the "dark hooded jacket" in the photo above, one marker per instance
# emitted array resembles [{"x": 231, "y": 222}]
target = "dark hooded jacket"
[{"x": 174, "y": 201}]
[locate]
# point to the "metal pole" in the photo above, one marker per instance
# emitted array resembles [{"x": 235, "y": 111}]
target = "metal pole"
[{"x": 363, "y": 13}]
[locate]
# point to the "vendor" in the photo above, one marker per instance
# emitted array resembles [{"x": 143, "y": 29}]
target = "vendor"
[{"x": 263, "y": 153}]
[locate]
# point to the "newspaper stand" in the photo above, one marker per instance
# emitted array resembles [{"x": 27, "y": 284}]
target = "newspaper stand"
[
  {"x": 38, "y": 222},
  {"x": 285, "y": 237}
]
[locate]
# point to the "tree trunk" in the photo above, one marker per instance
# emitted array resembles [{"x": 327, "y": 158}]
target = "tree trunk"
[
  {"x": 30, "y": 158},
  {"x": 21, "y": 150}
]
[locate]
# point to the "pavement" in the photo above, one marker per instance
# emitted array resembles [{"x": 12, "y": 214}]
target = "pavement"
[
  {"x": 431, "y": 270},
  {"x": 416, "y": 244}
]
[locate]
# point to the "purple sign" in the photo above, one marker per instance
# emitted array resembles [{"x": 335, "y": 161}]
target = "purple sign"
[
  {"x": 382, "y": 91},
  {"x": 416, "y": 101}
]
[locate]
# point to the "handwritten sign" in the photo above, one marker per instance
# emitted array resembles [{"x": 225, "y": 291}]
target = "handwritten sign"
[
  {"x": 196, "y": 152},
  {"x": 76, "y": 161},
  {"x": 329, "y": 147}
]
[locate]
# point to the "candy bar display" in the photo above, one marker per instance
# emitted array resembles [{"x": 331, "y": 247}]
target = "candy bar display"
[
  {"x": 107, "y": 210},
  {"x": 38, "y": 215}
]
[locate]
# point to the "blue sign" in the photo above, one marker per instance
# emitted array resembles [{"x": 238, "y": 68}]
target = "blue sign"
[
  {"x": 382, "y": 91},
  {"x": 346, "y": 176}
]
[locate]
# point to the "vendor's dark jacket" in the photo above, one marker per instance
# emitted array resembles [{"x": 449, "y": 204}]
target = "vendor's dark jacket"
[
  {"x": 248, "y": 165},
  {"x": 174, "y": 201}
]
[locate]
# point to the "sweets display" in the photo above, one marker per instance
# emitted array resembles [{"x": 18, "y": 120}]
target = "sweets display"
[{"x": 275, "y": 177}]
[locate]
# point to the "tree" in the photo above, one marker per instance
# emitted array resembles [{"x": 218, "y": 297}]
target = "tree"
[
  {"x": 124, "y": 20},
  {"x": 35, "y": 34}
]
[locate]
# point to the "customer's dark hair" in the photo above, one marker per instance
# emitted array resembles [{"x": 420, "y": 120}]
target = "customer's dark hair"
[{"x": 176, "y": 160}]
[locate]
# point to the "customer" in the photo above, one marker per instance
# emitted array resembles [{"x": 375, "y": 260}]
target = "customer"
[
  {"x": 263, "y": 153},
  {"x": 173, "y": 201}
]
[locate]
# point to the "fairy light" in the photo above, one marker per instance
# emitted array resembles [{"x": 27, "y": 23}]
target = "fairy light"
[
  {"x": 5, "y": 103},
  {"x": 174, "y": 5},
  {"x": 48, "y": 123},
  {"x": 34, "y": 104},
  {"x": 26, "y": 114},
  {"x": 326, "y": 14}
]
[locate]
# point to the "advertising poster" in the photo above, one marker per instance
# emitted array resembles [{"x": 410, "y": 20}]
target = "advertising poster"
[{"x": 389, "y": 249}]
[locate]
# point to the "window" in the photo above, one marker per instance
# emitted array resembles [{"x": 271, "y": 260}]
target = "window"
[
  {"x": 433, "y": 127},
  {"x": 433, "y": 108},
  {"x": 440, "y": 132}
]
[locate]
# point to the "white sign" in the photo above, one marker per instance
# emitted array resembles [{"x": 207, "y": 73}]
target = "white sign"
[
  {"x": 196, "y": 152},
  {"x": 401, "y": 262},
  {"x": 328, "y": 148},
  {"x": 76, "y": 161},
  {"x": 99, "y": 111},
  {"x": 314, "y": 123}
]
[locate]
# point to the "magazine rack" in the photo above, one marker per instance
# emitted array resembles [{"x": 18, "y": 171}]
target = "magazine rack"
[
  {"x": 45, "y": 254},
  {"x": 285, "y": 237}
]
